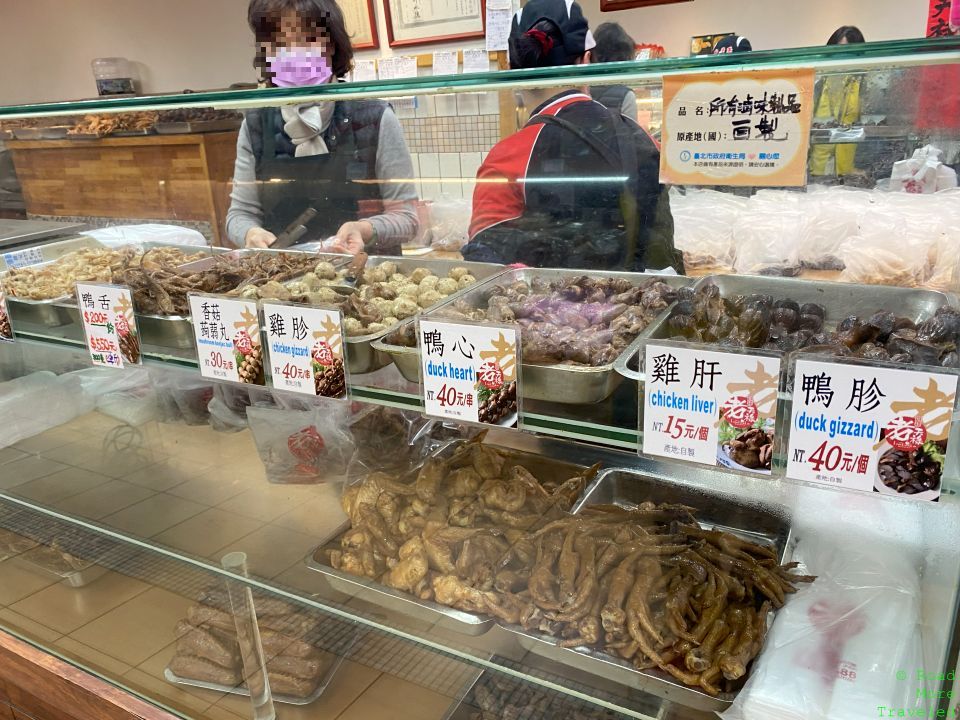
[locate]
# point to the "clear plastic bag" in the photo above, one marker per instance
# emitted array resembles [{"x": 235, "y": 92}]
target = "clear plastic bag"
[
  {"x": 223, "y": 418},
  {"x": 766, "y": 236},
  {"x": 182, "y": 396},
  {"x": 40, "y": 401},
  {"x": 303, "y": 446},
  {"x": 449, "y": 224},
  {"x": 830, "y": 217},
  {"x": 837, "y": 647},
  {"x": 120, "y": 235},
  {"x": 703, "y": 222}
]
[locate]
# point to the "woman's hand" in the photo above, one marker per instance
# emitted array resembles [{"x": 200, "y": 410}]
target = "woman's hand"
[
  {"x": 257, "y": 237},
  {"x": 352, "y": 237}
]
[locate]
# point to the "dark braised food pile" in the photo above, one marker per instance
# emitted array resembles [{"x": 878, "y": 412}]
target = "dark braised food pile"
[
  {"x": 208, "y": 651},
  {"x": 579, "y": 321},
  {"x": 648, "y": 585},
  {"x": 913, "y": 471},
  {"x": 160, "y": 289},
  {"x": 752, "y": 448},
  {"x": 761, "y": 321},
  {"x": 499, "y": 697},
  {"x": 197, "y": 115},
  {"x": 499, "y": 404}
]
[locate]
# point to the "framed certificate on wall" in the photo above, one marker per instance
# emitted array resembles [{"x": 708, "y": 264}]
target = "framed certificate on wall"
[
  {"x": 420, "y": 22},
  {"x": 361, "y": 23},
  {"x": 612, "y": 5}
]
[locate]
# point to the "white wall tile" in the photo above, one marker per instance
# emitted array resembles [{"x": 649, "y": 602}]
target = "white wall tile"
[
  {"x": 425, "y": 107},
  {"x": 449, "y": 165},
  {"x": 469, "y": 164},
  {"x": 452, "y": 189},
  {"x": 489, "y": 103},
  {"x": 429, "y": 175},
  {"x": 468, "y": 104},
  {"x": 415, "y": 160},
  {"x": 446, "y": 105},
  {"x": 403, "y": 107}
]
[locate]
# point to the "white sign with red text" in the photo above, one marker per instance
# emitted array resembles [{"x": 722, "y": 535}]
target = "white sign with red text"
[
  {"x": 306, "y": 349},
  {"x": 868, "y": 428},
  {"x": 710, "y": 407},
  {"x": 469, "y": 372},
  {"x": 227, "y": 335},
  {"x": 109, "y": 324}
]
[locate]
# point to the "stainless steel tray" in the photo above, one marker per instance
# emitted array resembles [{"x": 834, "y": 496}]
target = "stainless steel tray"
[
  {"x": 580, "y": 385},
  {"x": 198, "y": 126},
  {"x": 28, "y": 133},
  {"x": 362, "y": 357},
  {"x": 839, "y": 299},
  {"x": 407, "y": 605},
  {"x": 57, "y": 132},
  {"x": 767, "y": 525},
  {"x": 133, "y": 133}
]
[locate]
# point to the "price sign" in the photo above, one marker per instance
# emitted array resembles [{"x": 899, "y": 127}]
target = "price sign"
[
  {"x": 869, "y": 428},
  {"x": 306, "y": 349},
  {"x": 227, "y": 336},
  {"x": 6, "y": 329},
  {"x": 710, "y": 407},
  {"x": 109, "y": 324},
  {"x": 23, "y": 258},
  {"x": 469, "y": 372}
]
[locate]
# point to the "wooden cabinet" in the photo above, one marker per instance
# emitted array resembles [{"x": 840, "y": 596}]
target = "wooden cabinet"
[{"x": 154, "y": 177}]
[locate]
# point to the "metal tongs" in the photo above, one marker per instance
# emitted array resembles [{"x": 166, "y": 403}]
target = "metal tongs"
[
  {"x": 354, "y": 272},
  {"x": 295, "y": 230}
]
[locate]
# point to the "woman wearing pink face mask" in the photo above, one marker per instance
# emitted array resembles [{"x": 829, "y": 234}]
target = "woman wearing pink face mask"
[{"x": 342, "y": 159}]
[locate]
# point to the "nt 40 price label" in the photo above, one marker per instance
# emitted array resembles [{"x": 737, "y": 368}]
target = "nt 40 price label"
[
  {"x": 109, "y": 324},
  {"x": 874, "y": 429},
  {"x": 469, "y": 372},
  {"x": 712, "y": 408},
  {"x": 227, "y": 334},
  {"x": 306, "y": 349}
]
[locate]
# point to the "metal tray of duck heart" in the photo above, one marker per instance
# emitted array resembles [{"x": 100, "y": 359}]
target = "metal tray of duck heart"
[
  {"x": 410, "y": 606},
  {"x": 362, "y": 356},
  {"x": 762, "y": 524},
  {"x": 560, "y": 383}
]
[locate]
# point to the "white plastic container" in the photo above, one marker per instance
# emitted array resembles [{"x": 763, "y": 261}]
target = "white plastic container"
[{"x": 115, "y": 76}]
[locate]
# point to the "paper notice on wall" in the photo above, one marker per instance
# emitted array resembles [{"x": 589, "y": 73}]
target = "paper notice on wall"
[
  {"x": 446, "y": 63},
  {"x": 387, "y": 68},
  {"x": 405, "y": 66},
  {"x": 498, "y": 28},
  {"x": 475, "y": 61},
  {"x": 364, "y": 70}
]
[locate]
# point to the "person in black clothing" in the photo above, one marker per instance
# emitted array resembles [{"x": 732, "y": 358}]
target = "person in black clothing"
[
  {"x": 340, "y": 168},
  {"x": 614, "y": 45},
  {"x": 578, "y": 185}
]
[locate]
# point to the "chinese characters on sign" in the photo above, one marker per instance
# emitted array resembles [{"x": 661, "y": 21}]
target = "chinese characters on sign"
[
  {"x": 469, "y": 372},
  {"x": 6, "y": 329},
  {"x": 749, "y": 128},
  {"x": 306, "y": 349},
  {"x": 712, "y": 408},
  {"x": 227, "y": 335},
  {"x": 109, "y": 325},
  {"x": 873, "y": 429},
  {"x": 23, "y": 258}
]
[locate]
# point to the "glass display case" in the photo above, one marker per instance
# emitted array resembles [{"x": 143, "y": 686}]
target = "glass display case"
[{"x": 237, "y": 549}]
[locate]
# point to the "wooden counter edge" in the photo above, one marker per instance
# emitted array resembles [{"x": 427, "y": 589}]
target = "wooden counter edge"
[
  {"x": 109, "y": 141},
  {"x": 29, "y": 675}
]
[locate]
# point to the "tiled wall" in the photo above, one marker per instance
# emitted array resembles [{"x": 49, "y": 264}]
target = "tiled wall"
[{"x": 449, "y": 136}]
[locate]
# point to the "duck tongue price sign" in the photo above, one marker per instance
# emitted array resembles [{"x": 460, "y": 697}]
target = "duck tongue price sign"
[
  {"x": 710, "y": 407},
  {"x": 227, "y": 335},
  {"x": 109, "y": 324},
  {"x": 306, "y": 349},
  {"x": 469, "y": 372},
  {"x": 874, "y": 429}
]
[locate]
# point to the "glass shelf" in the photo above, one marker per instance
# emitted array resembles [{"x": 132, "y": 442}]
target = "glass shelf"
[{"x": 899, "y": 53}]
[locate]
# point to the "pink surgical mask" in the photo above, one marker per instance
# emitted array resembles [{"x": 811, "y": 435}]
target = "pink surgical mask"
[{"x": 299, "y": 66}]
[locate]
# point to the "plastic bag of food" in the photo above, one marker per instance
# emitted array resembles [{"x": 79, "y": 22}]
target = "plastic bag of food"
[
  {"x": 829, "y": 218},
  {"x": 303, "y": 446},
  {"x": 703, "y": 222},
  {"x": 449, "y": 223},
  {"x": 844, "y": 645},
  {"x": 35, "y": 403},
  {"x": 923, "y": 173},
  {"x": 182, "y": 396},
  {"x": 766, "y": 237}
]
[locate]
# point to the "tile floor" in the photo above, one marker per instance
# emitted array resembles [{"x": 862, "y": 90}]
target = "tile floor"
[{"x": 198, "y": 492}]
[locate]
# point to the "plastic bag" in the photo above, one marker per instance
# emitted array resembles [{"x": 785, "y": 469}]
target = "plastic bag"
[
  {"x": 449, "y": 223},
  {"x": 766, "y": 236},
  {"x": 923, "y": 173},
  {"x": 836, "y": 648},
  {"x": 703, "y": 223},
  {"x": 35, "y": 403},
  {"x": 128, "y": 396},
  {"x": 303, "y": 446},
  {"x": 120, "y": 235},
  {"x": 182, "y": 396},
  {"x": 830, "y": 217}
]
